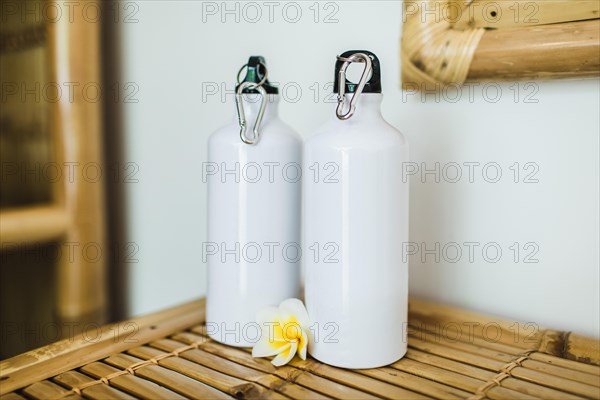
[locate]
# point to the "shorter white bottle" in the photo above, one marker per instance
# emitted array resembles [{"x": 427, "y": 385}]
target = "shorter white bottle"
[
  {"x": 254, "y": 201},
  {"x": 355, "y": 224}
]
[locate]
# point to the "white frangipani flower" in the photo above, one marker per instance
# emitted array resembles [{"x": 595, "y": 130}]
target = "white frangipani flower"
[{"x": 284, "y": 332}]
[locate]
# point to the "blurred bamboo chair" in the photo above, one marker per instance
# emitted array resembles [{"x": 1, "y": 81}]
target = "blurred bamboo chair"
[
  {"x": 75, "y": 218},
  {"x": 449, "y": 42}
]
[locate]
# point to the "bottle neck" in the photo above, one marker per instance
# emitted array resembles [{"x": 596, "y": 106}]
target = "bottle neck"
[
  {"x": 252, "y": 103},
  {"x": 367, "y": 106}
]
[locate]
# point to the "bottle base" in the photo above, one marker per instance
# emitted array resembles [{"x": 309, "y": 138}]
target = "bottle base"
[
  {"x": 241, "y": 344},
  {"x": 360, "y": 364}
]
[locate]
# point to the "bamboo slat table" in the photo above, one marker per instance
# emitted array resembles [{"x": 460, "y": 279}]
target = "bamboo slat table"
[{"x": 453, "y": 354}]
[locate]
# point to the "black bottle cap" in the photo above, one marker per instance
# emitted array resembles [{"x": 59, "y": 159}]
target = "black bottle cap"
[
  {"x": 373, "y": 85},
  {"x": 256, "y": 72}
]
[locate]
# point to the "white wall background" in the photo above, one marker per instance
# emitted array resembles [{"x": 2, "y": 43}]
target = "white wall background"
[{"x": 176, "y": 58}]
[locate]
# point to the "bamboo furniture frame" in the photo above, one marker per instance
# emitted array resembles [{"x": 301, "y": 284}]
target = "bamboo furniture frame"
[
  {"x": 76, "y": 213},
  {"x": 168, "y": 355},
  {"x": 453, "y": 41}
]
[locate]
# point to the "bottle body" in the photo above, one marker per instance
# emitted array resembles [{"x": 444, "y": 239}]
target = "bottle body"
[
  {"x": 254, "y": 200},
  {"x": 355, "y": 223}
]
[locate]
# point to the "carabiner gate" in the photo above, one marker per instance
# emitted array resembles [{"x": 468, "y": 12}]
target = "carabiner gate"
[
  {"x": 356, "y": 57},
  {"x": 239, "y": 101}
]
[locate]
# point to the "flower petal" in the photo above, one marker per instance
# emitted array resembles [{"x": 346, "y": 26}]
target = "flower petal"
[
  {"x": 294, "y": 308},
  {"x": 303, "y": 345},
  {"x": 285, "y": 356},
  {"x": 284, "y": 332},
  {"x": 267, "y": 314},
  {"x": 265, "y": 348}
]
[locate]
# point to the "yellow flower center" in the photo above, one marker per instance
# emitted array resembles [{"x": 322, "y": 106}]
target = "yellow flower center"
[
  {"x": 287, "y": 331},
  {"x": 291, "y": 330}
]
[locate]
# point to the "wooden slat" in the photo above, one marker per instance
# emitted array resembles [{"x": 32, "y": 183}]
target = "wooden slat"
[
  {"x": 450, "y": 365},
  {"x": 46, "y": 390},
  {"x": 511, "y": 333},
  {"x": 436, "y": 374},
  {"x": 353, "y": 379},
  {"x": 568, "y": 345},
  {"x": 235, "y": 387},
  {"x": 30, "y": 225},
  {"x": 482, "y": 362},
  {"x": 575, "y": 388},
  {"x": 284, "y": 380},
  {"x": 548, "y": 375},
  {"x": 566, "y": 373},
  {"x": 570, "y": 364},
  {"x": 131, "y": 384},
  {"x": 12, "y": 396},
  {"x": 467, "y": 348},
  {"x": 444, "y": 319},
  {"x": 569, "y": 387},
  {"x": 512, "y": 383},
  {"x": 455, "y": 354},
  {"x": 423, "y": 330},
  {"x": 65, "y": 355},
  {"x": 415, "y": 383},
  {"x": 577, "y": 371},
  {"x": 341, "y": 376},
  {"x": 74, "y": 379},
  {"x": 181, "y": 384},
  {"x": 261, "y": 376},
  {"x": 287, "y": 373},
  {"x": 454, "y": 379}
]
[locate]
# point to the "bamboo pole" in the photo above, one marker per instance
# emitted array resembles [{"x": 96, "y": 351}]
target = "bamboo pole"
[
  {"x": 563, "y": 382},
  {"x": 450, "y": 365},
  {"x": 12, "y": 396},
  {"x": 464, "y": 368},
  {"x": 235, "y": 387},
  {"x": 484, "y": 363},
  {"x": 566, "y": 363},
  {"x": 519, "y": 13},
  {"x": 74, "y": 352},
  {"x": 286, "y": 373},
  {"x": 30, "y": 225},
  {"x": 276, "y": 386},
  {"x": 131, "y": 384},
  {"x": 73, "y": 379},
  {"x": 415, "y": 383},
  {"x": 551, "y": 364},
  {"x": 556, "y": 382},
  {"x": 74, "y": 55},
  {"x": 525, "y": 336},
  {"x": 567, "y": 50},
  {"x": 47, "y": 390},
  {"x": 313, "y": 370},
  {"x": 178, "y": 383}
]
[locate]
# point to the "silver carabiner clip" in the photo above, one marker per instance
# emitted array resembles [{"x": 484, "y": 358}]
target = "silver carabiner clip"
[
  {"x": 239, "y": 101},
  {"x": 356, "y": 57}
]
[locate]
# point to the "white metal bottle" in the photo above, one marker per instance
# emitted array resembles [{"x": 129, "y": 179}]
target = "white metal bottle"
[
  {"x": 355, "y": 224},
  {"x": 254, "y": 203}
]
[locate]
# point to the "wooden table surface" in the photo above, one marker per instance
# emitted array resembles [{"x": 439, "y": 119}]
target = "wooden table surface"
[{"x": 453, "y": 354}]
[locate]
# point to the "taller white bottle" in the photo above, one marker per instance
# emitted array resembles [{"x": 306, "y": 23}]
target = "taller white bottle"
[
  {"x": 254, "y": 204},
  {"x": 355, "y": 224}
]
